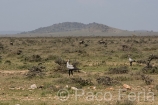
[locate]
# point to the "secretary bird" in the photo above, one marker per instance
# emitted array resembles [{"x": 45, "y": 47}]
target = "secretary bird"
[
  {"x": 71, "y": 68},
  {"x": 130, "y": 60}
]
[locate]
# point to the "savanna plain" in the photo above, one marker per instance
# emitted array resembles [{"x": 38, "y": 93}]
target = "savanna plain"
[{"x": 33, "y": 70}]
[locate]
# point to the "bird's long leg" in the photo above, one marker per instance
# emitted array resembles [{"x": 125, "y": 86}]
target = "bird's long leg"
[
  {"x": 130, "y": 63},
  {"x": 69, "y": 72},
  {"x": 72, "y": 72}
]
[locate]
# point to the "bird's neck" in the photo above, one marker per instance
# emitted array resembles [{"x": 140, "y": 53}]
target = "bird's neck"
[{"x": 67, "y": 63}]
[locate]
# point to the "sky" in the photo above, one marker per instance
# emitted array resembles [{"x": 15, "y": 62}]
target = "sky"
[{"x": 27, "y": 15}]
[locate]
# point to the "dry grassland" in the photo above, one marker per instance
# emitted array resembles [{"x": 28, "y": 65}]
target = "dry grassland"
[{"x": 104, "y": 59}]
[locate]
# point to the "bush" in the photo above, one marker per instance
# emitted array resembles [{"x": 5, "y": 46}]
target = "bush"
[
  {"x": 60, "y": 61},
  {"x": 136, "y": 75},
  {"x": 61, "y": 68},
  {"x": 75, "y": 63},
  {"x": 36, "y": 71},
  {"x": 119, "y": 70},
  {"x": 104, "y": 80},
  {"x": 19, "y": 52},
  {"x": 34, "y": 58},
  {"x": 7, "y": 62},
  {"x": 123, "y": 78},
  {"x": 148, "y": 80},
  {"x": 82, "y": 82},
  {"x": 61, "y": 65},
  {"x": 76, "y": 81},
  {"x": 107, "y": 81},
  {"x": 150, "y": 70}
]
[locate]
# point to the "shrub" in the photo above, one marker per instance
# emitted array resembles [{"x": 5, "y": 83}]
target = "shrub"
[
  {"x": 76, "y": 81},
  {"x": 7, "y": 62},
  {"x": 60, "y": 61},
  {"x": 123, "y": 78},
  {"x": 75, "y": 63},
  {"x": 105, "y": 80},
  {"x": 82, "y": 82},
  {"x": 19, "y": 52},
  {"x": 150, "y": 70},
  {"x": 119, "y": 70},
  {"x": 136, "y": 76},
  {"x": 36, "y": 71},
  {"x": 85, "y": 45},
  {"x": 33, "y": 58},
  {"x": 148, "y": 80},
  {"x": 61, "y": 67}
]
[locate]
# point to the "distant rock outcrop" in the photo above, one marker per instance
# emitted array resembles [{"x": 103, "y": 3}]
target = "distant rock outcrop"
[{"x": 74, "y": 26}]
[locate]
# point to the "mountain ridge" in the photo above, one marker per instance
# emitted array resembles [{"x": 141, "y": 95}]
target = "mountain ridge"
[
  {"x": 74, "y": 26},
  {"x": 80, "y": 29}
]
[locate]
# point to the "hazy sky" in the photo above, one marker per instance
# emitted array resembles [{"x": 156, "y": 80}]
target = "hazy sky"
[{"x": 27, "y": 15}]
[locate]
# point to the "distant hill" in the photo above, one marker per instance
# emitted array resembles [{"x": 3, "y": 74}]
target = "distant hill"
[
  {"x": 143, "y": 30},
  {"x": 80, "y": 29},
  {"x": 74, "y": 26}
]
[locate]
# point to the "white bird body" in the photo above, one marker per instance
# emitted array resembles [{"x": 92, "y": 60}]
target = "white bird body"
[
  {"x": 130, "y": 59},
  {"x": 69, "y": 66}
]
